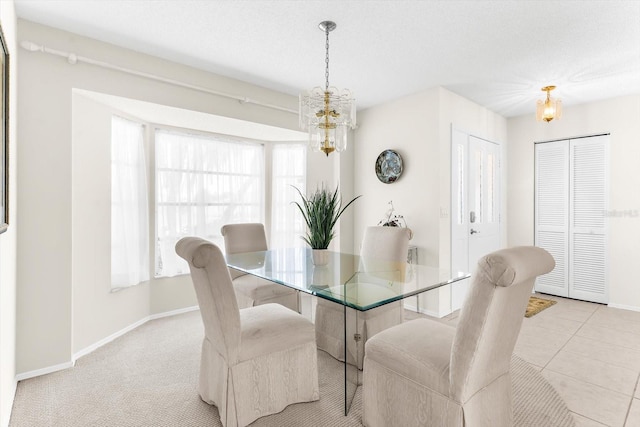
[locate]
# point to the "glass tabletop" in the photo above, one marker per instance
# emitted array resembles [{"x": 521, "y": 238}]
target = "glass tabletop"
[{"x": 347, "y": 279}]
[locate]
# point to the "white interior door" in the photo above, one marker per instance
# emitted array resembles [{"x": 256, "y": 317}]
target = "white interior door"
[
  {"x": 459, "y": 208},
  {"x": 587, "y": 231},
  {"x": 552, "y": 213},
  {"x": 570, "y": 203},
  {"x": 475, "y": 205},
  {"x": 484, "y": 207}
]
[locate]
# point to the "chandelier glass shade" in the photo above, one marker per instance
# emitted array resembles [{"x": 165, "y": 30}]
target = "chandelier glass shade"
[
  {"x": 550, "y": 108},
  {"x": 327, "y": 114}
]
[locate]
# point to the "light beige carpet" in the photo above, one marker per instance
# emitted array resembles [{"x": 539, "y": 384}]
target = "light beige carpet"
[{"x": 148, "y": 376}]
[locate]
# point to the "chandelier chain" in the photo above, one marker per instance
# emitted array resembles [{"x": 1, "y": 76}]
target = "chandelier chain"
[{"x": 326, "y": 60}]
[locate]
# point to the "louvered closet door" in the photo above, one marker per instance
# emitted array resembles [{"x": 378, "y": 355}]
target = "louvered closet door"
[
  {"x": 570, "y": 204},
  {"x": 552, "y": 213},
  {"x": 587, "y": 231}
]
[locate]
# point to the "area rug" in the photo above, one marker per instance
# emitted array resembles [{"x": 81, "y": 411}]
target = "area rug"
[
  {"x": 536, "y": 305},
  {"x": 148, "y": 377}
]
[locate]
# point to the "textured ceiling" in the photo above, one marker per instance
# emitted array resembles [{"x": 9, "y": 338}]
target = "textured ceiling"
[{"x": 495, "y": 53}]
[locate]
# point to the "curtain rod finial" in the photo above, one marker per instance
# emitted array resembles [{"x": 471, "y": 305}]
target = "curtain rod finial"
[{"x": 31, "y": 46}]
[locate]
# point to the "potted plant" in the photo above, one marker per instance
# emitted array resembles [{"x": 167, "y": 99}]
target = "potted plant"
[
  {"x": 321, "y": 212},
  {"x": 391, "y": 219}
]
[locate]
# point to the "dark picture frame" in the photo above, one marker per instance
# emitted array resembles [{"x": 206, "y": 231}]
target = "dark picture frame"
[{"x": 4, "y": 134}]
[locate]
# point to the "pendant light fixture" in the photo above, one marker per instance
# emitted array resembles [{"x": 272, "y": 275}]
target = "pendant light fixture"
[
  {"x": 327, "y": 114},
  {"x": 550, "y": 108}
]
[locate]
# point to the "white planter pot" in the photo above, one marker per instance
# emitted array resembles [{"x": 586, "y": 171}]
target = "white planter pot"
[{"x": 320, "y": 256}]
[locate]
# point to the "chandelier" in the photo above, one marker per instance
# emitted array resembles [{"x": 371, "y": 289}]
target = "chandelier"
[
  {"x": 550, "y": 108},
  {"x": 327, "y": 114}
]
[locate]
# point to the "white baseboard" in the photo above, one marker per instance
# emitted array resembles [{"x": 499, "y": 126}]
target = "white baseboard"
[
  {"x": 173, "y": 312},
  {"x": 44, "y": 371},
  {"x": 129, "y": 328},
  {"x": 624, "y": 307},
  {"x": 95, "y": 346},
  {"x": 429, "y": 313},
  {"x": 107, "y": 340}
]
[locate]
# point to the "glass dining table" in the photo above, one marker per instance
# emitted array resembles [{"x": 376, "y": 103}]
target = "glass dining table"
[{"x": 348, "y": 280}]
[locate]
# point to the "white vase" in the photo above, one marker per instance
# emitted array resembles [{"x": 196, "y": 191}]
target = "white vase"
[{"x": 320, "y": 256}]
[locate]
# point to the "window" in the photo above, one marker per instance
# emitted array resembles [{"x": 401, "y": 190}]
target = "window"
[
  {"x": 491, "y": 190},
  {"x": 479, "y": 190},
  {"x": 289, "y": 169},
  {"x": 461, "y": 182},
  {"x": 202, "y": 183},
  {"x": 129, "y": 205}
]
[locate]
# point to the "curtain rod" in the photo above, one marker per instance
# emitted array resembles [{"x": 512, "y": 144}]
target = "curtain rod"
[{"x": 73, "y": 59}]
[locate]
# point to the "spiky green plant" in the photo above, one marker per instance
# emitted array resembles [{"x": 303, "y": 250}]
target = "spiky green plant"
[{"x": 321, "y": 212}]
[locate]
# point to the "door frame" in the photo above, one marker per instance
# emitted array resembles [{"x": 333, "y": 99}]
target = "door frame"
[{"x": 457, "y": 295}]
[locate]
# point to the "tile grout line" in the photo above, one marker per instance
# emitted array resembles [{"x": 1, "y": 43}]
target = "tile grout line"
[
  {"x": 608, "y": 328},
  {"x": 626, "y": 417},
  {"x": 589, "y": 418},
  {"x": 566, "y": 342},
  {"x": 575, "y": 334},
  {"x": 587, "y": 381},
  {"x": 564, "y": 345}
]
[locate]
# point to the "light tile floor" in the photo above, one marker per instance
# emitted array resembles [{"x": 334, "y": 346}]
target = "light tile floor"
[{"x": 591, "y": 354}]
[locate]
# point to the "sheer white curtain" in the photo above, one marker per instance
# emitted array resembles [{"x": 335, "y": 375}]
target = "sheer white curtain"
[
  {"x": 129, "y": 205},
  {"x": 289, "y": 169},
  {"x": 202, "y": 183}
]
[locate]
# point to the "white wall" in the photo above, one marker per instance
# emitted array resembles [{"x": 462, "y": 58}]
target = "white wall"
[
  {"x": 621, "y": 118},
  {"x": 63, "y": 301},
  {"x": 8, "y": 239},
  {"x": 410, "y": 126},
  {"x": 344, "y": 176},
  {"x": 97, "y": 312},
  {"x": 418, "y": 127}
]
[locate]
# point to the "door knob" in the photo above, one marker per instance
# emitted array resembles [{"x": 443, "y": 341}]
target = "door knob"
[{"x": 474, "y": 231}]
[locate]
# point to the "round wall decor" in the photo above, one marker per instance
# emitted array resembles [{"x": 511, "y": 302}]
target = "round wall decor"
[{"x": 388, "y": 166}]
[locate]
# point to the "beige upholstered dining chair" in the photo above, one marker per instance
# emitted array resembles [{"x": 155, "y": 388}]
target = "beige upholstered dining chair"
[
  {"x": 254, "y": 361},
  {"x": 427, "y": 373},
  {"x": 380, "y": 245},
  {"x": 252, "y": 290}
]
